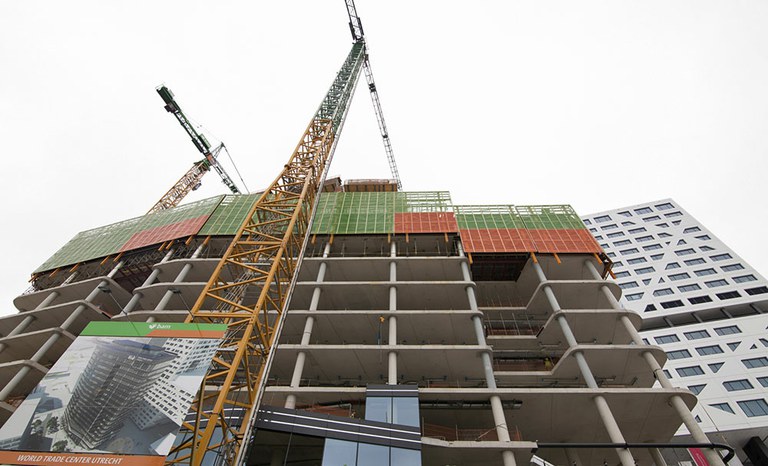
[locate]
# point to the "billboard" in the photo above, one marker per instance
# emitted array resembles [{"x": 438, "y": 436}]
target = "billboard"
[{"x": 117, "y": 396}]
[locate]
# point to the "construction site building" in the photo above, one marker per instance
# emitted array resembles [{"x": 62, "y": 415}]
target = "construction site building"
[{"x": 418, "y": 332}]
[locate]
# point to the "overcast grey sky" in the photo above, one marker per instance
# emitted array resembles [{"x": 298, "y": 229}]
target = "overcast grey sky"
[{"x": 594, "y": 103}]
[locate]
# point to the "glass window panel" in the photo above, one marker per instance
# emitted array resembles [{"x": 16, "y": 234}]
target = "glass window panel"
[
  {"x": 378, "y": 409},
  {"x": 736, "y": 385},
  {"x": 403, "y": 457},
  {"x": 405, "y": 411},
  {"x": 690, "y": 371},
  {"x": 696, "y": 389},
  {"x": 723, "y": 406},
  {"x": 754, "y": 408},
  {"x": 729, "y": 330},
  {"x": 696, "y": 334},
  {"x": 678, "y": 354},
  {"x": 666, "y": 339},
  {"x": 372, "y": 455},
  {"x": 339, "y": 453}
]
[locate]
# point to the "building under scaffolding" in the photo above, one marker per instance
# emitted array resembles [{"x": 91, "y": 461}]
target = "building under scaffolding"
[{"x": 418, "y": 331}]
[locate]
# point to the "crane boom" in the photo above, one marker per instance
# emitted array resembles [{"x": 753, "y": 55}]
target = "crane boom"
[
  {"x": 249, "y": 289},
  {"x": 188, "y": 182},
  {"x": 198, "y": 139},
  {"x": 356, "y": 28}
]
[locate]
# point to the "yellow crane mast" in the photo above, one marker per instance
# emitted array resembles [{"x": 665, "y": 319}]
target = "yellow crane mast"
[{"x": 250, "y": 288}]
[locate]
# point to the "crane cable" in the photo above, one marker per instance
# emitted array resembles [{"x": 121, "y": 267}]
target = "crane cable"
[
  {"x": 236, "y": 170},
  {"x": 200, "y": 128}
]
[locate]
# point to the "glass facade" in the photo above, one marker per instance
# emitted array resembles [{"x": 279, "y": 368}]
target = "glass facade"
[
  {"x": 395, "y": 410},
  {"x": 344, "y": 453}
]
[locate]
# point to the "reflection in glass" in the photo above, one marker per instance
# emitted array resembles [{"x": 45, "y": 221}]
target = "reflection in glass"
[
  {"x": 405, "y": 411},
  {"x": 403, "y": 457},
  {"x": 372, "y": 455},
  {"x": 378, "y": 409},
  {"x": 339, "y": 453}
]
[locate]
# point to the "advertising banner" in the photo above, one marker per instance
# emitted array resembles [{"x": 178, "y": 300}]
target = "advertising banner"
[{"x": 117, "y": 396}]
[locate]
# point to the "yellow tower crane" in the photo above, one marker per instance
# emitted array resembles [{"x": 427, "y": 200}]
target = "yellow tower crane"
[{"x": 251, "y": 286}]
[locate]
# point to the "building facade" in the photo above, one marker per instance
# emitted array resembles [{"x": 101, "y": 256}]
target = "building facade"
[{"x": 703, "y": 304}]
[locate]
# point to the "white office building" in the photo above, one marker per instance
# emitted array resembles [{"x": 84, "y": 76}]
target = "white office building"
[{"x": 704, "y": 305}]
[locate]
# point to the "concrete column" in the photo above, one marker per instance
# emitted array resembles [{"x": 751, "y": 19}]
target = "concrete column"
[
  {"x": 581, "y": 361},
  {"x": 573, "y": 457},
  {"x": 676, "y": 401},
  {"x": 508, "y": 457},
  {"x": 602, "y": 406},
  {"x": 392, "y": 356},
  {"x": 658, "y": 460},
  {"x": 497, "y": 409},
  {"x": 49, "y": 299},
  {"x": 182, "y": 275},
  {"x": 14, "y": 382},
  {"x": 301, "y": 358},
  {"x": 713, "y": 457},
  {"x": 137, "y": 295},
  {"x": 21, "y": 326},
  {"x": 613, "y": 430}
]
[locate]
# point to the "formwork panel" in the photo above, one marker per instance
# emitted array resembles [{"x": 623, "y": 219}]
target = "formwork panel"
[
  {"x": 425, "y": 222},
  {"x": 365, "y": 213},
  {"x": 423, "y": 201},
  {"x": 163, "y": 233},
  {"x": 229, "y": 215},
  {"x": 488, "y": 217},
  {"x": 323, "y": 221},
  {"x": 564, "y": 241},
  {"x": 492, "y": 228},
  {"x": 496, "y": 240},
  {"x": 508, "y": 229},
  {"x": 549, "y": 217},
  {"x": 121, "y": 236},
  {"x": 355, "y": 213}
]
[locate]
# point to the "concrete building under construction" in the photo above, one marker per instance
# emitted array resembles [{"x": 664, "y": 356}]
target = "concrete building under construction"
[
  {"x": 494, "y": 321},
  {"x": 367, "y": 325}
]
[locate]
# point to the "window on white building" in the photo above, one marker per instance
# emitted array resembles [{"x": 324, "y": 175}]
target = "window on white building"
[
  {"x": 753, "y": 408},
  {"x": 696, "y": 261},
  {"x": 696, "y": 334},
  {"x": 723, "y": 407},
  {"x": 689, "y": 371},
  {"x": 755, "y": 362},
  {"x": 678, "y": 354},
  {"x": 696, "y": 389},
  {"x": 709, "y": 350},
  {"x": 662, "y": 339},
  {"x": 744, "y": 278},
  {"x": 737, "y": 385},
  {"x": 729, "y": 330},
  {"x": 700, "y": 299}
]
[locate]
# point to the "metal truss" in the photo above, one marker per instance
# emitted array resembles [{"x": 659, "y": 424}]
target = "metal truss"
[
  {"x": 356, "y": 28},
  {"x": 188, "y": 182},
  {"x": 250, "y": 288}
]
